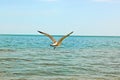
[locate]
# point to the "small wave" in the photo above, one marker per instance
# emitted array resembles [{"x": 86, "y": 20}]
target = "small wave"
[
  {"x": 50, "y": 64},
  {"x": 7, "y": 50},
  {"x": 13, "y": 59},
  {"x": 65, "y": 52}
]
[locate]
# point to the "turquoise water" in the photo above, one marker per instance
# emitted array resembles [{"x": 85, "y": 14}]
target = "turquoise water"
[{"x": 29, "y": 57}]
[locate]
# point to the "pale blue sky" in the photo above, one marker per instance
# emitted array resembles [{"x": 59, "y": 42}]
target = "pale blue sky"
[{"x": 84, "y": 17}]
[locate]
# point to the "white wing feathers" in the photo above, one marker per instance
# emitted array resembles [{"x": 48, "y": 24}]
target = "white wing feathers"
[{"x": 54, "y": 41}]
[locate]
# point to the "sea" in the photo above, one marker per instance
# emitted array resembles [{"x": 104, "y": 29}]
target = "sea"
[{"x": 30, "y": 57}]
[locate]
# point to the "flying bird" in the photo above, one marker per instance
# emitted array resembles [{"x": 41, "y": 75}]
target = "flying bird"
[{"x": 55, "y": 43}]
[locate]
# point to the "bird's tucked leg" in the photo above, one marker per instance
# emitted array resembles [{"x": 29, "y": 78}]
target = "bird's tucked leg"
[{"x": 54, "y": 48}]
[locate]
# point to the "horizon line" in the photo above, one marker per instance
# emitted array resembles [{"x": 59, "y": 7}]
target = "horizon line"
[{"x": 57, "y": 35}]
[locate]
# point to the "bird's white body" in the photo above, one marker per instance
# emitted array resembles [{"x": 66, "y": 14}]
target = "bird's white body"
[{"x": 54, "y": 44}]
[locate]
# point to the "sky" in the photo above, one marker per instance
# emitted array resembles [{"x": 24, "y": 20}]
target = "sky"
[{"x": 84, "y": 17}]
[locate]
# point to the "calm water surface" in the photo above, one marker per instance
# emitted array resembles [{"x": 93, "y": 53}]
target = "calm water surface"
[{"x": 29, "y": 57}]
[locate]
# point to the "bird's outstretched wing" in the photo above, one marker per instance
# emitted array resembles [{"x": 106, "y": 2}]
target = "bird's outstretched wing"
[
  {"x": 60, "y": 41},
  {"x": 48, "y": 36}
]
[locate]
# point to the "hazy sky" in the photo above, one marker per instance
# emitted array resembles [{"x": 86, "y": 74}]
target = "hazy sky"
[{"x": 84, "y": 17}]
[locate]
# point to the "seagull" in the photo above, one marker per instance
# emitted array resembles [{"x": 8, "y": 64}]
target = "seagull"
[{"x": 55, "y": 43}]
